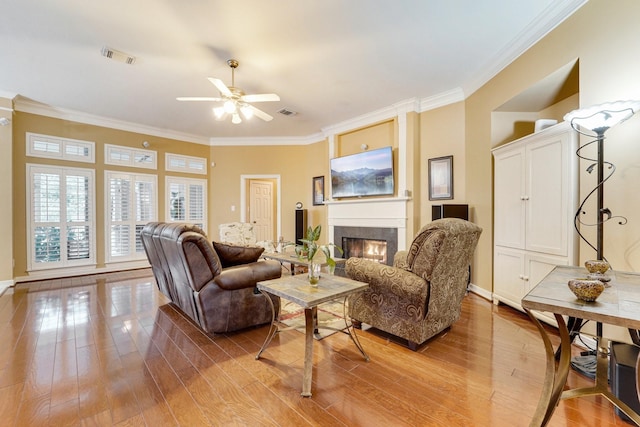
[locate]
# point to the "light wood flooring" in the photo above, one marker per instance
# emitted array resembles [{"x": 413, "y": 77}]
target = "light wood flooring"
[{"x": 110, "y": 350}]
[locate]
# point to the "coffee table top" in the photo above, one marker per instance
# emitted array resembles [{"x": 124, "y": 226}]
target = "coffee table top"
[
  {"x": 298, "y": 290},
  {"x": 618, "y": 304}
]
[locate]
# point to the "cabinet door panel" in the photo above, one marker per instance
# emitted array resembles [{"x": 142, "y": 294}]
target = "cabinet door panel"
[
  {"x": 508, "y": 274},
  {"x": 538, "y": 266},
  {"x": 548, "y": 214},
  {"x": 509, "y": 207}
]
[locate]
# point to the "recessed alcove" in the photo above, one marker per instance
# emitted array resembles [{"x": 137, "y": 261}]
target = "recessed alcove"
[{"x": 550, "y": 98}]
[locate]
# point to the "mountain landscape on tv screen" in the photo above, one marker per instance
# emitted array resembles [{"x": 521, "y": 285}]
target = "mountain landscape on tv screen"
[{"x": 361, "y": 182}]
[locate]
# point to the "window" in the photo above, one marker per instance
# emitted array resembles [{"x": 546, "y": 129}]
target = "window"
[
  {"x": 61, "y": 217},
  {"x": 131, "y": 203},
  {"x": 133, "y": 157},
  {"x": 187, "y": 200},
  {"x": 52, "y": 147},
  {"x": 180, "y": 163}
]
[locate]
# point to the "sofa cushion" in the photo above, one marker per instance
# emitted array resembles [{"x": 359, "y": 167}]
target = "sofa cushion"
[
  {"x": 231, "y": 255},
  {"x": 423, "y": 252}
]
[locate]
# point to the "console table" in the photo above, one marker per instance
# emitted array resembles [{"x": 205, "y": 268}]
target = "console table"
[{"x": 618, "y": 305}]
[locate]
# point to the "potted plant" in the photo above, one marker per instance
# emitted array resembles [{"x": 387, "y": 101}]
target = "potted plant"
[{"x": 308, "y": 250}]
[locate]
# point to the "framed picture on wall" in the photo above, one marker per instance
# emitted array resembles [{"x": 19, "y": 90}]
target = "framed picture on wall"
[
  {"x": 441, "y": 178},
  {"x": 318, "y": 190}
]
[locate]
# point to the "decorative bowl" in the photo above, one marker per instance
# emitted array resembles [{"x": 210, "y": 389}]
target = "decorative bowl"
[
  {"x": 596, "y": 266},
  {"x": 586, "y": 289}
]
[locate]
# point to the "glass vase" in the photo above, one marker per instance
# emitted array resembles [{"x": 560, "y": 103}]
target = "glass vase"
[{"x": 314, "y": 273}]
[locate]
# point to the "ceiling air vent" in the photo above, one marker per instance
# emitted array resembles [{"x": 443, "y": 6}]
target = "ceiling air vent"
[
  {"x": 116, "y": 55},
  {"x": 286, "y": 112}
]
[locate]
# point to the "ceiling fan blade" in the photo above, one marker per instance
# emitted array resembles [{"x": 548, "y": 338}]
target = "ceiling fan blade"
[
  {"x": 261, "y": 97},
  {"x": 261, "y": 114},
  {"x": 198, "y": 98},
  {"x": 224, "y": 90}
]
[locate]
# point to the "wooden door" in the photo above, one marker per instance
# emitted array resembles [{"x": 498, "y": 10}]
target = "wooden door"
[{"x": 261, "y": 209}]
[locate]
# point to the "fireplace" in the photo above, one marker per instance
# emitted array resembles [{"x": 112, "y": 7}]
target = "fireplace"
[
  {"x": 377, "y": 219},
  {"x": 374, "y": 250},
  {"x": 368, "y": 242}
]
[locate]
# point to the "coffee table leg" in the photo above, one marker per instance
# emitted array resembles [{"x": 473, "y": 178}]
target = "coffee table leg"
[
  {"x": 351, "y": 330},
  {"x": 309, "y": 324},
  {"x": 273, "y": 329}
]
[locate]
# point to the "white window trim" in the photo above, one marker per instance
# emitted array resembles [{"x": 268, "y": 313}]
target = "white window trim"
[
  {"x": 62, "y": 153},
  {"x": 133, "y": 256},
  {"x": 31, "y": 225},
  {"x": 109, "y": 149},
  {"x": 188, "y": 181},
  {"x": 191, "y": 164}
]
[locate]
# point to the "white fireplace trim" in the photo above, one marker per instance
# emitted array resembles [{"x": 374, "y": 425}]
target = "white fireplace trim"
[{"x": 390, "y": 212}]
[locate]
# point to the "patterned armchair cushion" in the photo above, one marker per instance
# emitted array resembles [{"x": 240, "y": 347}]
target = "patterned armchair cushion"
[
  {"x": 240, "y": 233},
  {"x": 231, "y": 255},
  {"x": 424, "y": 251}
]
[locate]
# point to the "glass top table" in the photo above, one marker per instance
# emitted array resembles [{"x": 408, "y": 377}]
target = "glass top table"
[
  {"x": 619, "y": 305},
  {"x": 298, "y": 290}
]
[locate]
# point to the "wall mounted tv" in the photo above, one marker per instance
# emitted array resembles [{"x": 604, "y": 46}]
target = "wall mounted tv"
[{"x": 369, "y": 173}]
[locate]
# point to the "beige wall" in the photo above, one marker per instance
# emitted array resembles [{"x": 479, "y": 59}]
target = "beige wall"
[
  {"x": 6, "y": 178},
  {"x": 295, "y": 165},
  {"x": 603, "y": 36}
]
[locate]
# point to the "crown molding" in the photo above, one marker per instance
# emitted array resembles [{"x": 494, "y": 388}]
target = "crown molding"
[
  {"x": 268, "y": 140},
  {"x": 440, "y": 100},
  {"x": 29, "y": 106},
  {"x": 8, "y": 95},
  {"x": 382, "y": 114},
  {"x": 556, "y": 13}
]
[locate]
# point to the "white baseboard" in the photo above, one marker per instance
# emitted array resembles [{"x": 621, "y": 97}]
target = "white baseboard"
[
  {"x": 480, "y": 291},
  {"x": 81, "y": 271},
  {"x": 5, "y": 284}
]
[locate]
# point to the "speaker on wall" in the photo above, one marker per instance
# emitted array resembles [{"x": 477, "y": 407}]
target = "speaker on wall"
[
  {"x": 301, "y": 225},
  {"x": 450, "y": 211}
]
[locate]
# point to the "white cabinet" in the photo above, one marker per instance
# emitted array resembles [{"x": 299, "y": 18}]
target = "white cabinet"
[{"x": 535, "y": 199}]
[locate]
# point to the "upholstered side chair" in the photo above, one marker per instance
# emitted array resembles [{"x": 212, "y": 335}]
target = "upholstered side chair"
[{"x": 421, "y": 294}]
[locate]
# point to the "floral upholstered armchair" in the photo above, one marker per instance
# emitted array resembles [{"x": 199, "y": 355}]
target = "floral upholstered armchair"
[{"x": 421, "y": 295}]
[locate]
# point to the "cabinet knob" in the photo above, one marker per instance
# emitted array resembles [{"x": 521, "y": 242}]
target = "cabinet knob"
[{"x": 526, "y": 278}]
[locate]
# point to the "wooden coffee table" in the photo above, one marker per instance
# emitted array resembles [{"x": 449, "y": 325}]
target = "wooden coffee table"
[{"x": 298, "y": 290}]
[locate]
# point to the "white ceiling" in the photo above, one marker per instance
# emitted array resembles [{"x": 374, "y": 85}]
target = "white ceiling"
[{"x": 330, "y": 60}]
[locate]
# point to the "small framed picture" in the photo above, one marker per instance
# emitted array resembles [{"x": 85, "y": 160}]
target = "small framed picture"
[
  {"x": 441, "y": 178},
  {"x": 318, "y": 190}
]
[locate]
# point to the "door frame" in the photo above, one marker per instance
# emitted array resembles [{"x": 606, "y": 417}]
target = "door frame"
[{"x": 243, "y": 199}]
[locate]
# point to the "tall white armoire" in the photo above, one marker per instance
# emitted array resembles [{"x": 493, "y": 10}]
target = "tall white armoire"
[{"x": 535, "y": 200}]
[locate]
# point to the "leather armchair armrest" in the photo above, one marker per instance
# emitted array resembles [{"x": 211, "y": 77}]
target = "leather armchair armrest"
[{"x": 247, "y": 275}]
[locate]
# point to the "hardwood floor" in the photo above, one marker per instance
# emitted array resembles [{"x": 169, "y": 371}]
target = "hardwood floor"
[{"x": 109, "y": 350}]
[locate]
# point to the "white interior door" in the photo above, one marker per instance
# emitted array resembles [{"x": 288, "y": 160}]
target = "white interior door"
[{"x": 261, "y": 208}]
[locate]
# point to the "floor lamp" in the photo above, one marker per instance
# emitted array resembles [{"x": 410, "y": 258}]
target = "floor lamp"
[{"x": 594, "y": 122}]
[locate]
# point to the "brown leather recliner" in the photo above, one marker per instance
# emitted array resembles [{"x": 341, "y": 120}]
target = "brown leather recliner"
[{"x": 189, "y": 272}]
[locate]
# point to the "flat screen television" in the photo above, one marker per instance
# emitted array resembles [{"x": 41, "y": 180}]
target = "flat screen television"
[{"x": 369, "y": 173}]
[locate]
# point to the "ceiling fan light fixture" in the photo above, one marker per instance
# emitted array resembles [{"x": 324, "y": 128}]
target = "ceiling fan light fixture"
[
  {"x": 236, "y": 119},
  {"x": 247, "y": 112},
  {"x": 230, "y": 106},
  {"x": 219, "y": 112}
]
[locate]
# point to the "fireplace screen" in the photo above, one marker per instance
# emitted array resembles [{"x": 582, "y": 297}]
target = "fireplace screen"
[{"x": 375, "y": 250}]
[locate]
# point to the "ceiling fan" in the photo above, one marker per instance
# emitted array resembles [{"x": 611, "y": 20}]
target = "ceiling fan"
[{"x": 234, "y": 100}]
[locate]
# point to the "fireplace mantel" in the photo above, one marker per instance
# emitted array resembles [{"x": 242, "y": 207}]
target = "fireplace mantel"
[{"x": 388, "y": 212}]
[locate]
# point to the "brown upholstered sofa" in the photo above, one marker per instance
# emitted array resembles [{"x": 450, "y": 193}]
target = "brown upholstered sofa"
[
  {"x": 212, "y": 283},
  {"x": 421, "y": 295}
]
